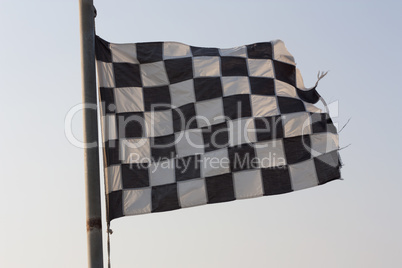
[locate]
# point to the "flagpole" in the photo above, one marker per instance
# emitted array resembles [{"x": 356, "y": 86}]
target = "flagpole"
[{"x": 91, "y": 155}]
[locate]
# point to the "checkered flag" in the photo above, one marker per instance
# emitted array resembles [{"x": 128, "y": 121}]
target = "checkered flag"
[{"x": 184, "y": 126}]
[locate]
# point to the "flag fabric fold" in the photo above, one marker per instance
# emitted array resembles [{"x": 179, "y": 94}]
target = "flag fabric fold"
[{"x": 184, "y": 126}]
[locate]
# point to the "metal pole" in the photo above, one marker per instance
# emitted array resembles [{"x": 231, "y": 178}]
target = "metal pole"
[{"x": 91, "y": 155}]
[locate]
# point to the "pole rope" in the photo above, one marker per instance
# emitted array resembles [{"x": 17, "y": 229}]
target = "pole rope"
[{"x": 108, "y": 230}]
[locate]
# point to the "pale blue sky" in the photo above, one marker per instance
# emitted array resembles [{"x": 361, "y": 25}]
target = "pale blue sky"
[{"x": 351, "y": 223}]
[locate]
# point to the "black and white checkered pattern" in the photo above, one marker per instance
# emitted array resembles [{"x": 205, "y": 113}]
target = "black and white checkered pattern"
[{"x": 170, "y": 110}]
